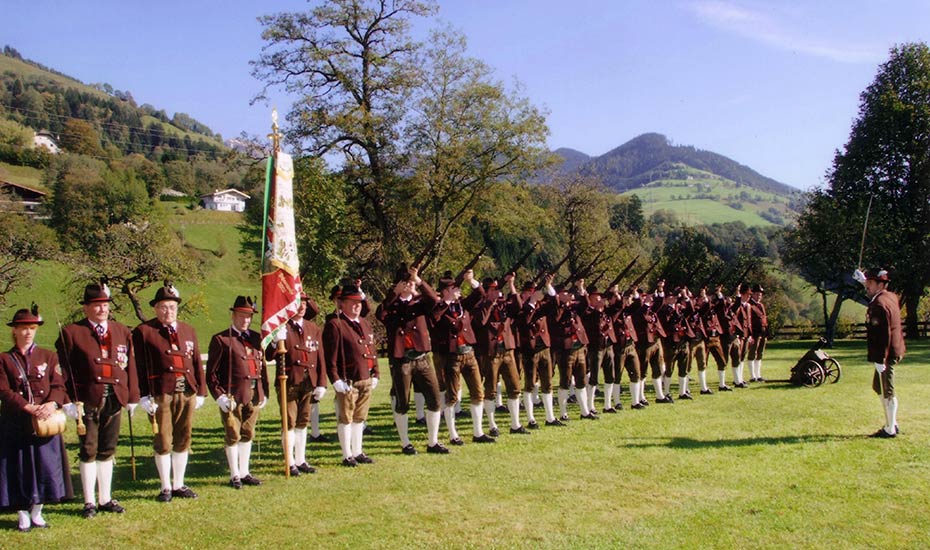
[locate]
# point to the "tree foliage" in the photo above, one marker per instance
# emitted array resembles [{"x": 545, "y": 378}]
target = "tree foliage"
[{"x": 886, "y": 162}]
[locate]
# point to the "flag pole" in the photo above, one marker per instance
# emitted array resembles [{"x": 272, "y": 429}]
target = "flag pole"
[{"x": 281, "y": 348}]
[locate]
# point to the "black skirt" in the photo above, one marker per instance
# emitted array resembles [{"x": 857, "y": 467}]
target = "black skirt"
[{"x": 33, "y": 470}]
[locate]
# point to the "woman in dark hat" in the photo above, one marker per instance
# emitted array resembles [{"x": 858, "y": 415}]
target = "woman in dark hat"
[{"x": 33, "y": 469}]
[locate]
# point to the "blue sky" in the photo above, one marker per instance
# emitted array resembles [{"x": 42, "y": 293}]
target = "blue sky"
[{"x": 774, "y": 85}]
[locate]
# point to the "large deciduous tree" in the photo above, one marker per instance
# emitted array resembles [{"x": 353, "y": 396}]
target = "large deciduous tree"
[
  {"x": 887, "y": 160},
  {"x": 422, "y": 130}
]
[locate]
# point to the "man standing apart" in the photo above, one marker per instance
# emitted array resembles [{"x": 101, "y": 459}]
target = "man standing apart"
[
  {"x": 351, "y": 359},
  {"x": 885, "y": 343},
  {"x": 96, "y": 355},
  {"x": 238, "y": 380},
  {"x": 172, "y": 385}
]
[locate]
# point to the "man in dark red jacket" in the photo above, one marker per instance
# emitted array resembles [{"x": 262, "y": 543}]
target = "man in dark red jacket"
[
  {"x": 100, "y": 371},
  {"x": 306, "y": 382},
  {"x": 885, "y": 343},
  {"x": 238, "y": 380},
  {"x": 759, "y": 333},
  {"x": 172, "y": 385},
  {"x": 404, "y": 313},
  {"x": 351, "y": 359}
]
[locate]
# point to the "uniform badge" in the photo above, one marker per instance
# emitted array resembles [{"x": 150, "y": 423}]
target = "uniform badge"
[
  {"x": 104, "y": 353},
  {"x": 122, "y": 356},
  {"x": 42, "y": 368},
  {"x": 189, "y": 345},
  {"x": 312, "y": 344}
]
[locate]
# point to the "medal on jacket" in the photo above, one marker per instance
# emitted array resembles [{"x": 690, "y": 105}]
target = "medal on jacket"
[{"x": 122, "y": 356}]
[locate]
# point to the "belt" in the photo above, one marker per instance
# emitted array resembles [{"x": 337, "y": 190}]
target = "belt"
[
  {"x": 413, "y": 355},
  {"x": 464, "y": 350}
]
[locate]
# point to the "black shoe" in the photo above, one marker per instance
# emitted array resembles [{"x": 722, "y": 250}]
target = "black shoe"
[
  {"x": 571, "y": 399},
  {"x": 618, "y": 406},
  {"x": 112, "y": 507},
  {"x": 610, "y": 410},
  {"x": 420, "y": 421},
  {"x": 555, "y": 422},
  {"x": 363, "y": 459},
  {"x": 685, "y": 396},
  {"x": 707, "y": 392},
  {"x": 666, "y": 399},
  {"x": 235, "y": 483},
  {"x": 501, "y": 409},
  {"x": 306, "y": 468},
  {"x": 896, "y": 430},
  {"x": 589, "y": 416},
  {"x": 408, "y": 450},
  {"x": 183, "y": 492},
  {"x": 463, "y": 414},
  {"x": 724, "y": 388},
  {"x": 520, "y": 430},
  {"x": 457, "y": 442},
  {"x": 644, "y": 403},
  {"x": 564, "y": 418},
  {"x": 164, "y": 496},
  {"x": 538, "y": 405},
  {"x": 350, "y": 462},
  {"x": 294, "y": 471},
  {"x": 319, "y": 439},
  {"x": 90, "y": 511},
  {"x": 882, "y": 434},
  {"x": 637, "y": 406},
  {"x": 494, "y": 432},
  {"x": 367, "y": 430},
  {"x": 484, "y": 438},
  {"x": 760, "y": 379},
  {"x": 250, "y": 480},
  {"x": 438, "y": 448},
  {"x": 741, "y": 385},
  {"x": 533, "y": 425}
]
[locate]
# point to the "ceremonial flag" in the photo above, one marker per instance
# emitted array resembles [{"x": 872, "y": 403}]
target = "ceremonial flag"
[{"x": 281, "y": 285}]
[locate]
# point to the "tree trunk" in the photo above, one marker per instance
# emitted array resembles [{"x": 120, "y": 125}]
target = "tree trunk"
[
  {"x": 830, "y": 328},
  {"x": 911, "y": 303}
]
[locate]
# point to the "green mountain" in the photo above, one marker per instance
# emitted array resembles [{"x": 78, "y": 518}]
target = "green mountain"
[{"x": 698, "y": 187}]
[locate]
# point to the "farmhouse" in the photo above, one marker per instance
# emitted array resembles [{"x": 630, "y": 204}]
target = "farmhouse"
[
  {"x": 227, "y": 200},
  {"x": 47, "y": 140},
  {"x": 19, "y": 198}
]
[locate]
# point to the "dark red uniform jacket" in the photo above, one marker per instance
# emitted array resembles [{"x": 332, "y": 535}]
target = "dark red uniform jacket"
[
  {"x": 883, "y": 330},
  {"x": 88, "y": 363},
  {"x": 162, "y": 358},
  {"x": 405, "y": 322},
  {"x": 349, "y": 349},
  {"x": 44, "y": 376},
  {"x": 235, "y": 363}
]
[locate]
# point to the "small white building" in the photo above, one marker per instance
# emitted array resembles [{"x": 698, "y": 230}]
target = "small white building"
[
  {"x": 47, "y": 140},
  {"x": 227, "y": 200}
]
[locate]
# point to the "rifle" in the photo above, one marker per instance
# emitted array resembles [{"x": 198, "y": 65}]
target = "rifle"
[
  {"x": 597, "y": 279},
  {"x": 710, "y": 278},
  {"x": 742, "y": 277},
  {"x": 585, "y": 271},
  {"x": 622, "y": 274},
  {"x": 553, "y": 269},
  {"x": 520, "y": 261},
  {"x": 425, "y": 256},
  {"x": 469, "y": 266},
  {"x": 640, "y": 279}
]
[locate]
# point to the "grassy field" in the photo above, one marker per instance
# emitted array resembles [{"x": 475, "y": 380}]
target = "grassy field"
[
  {"x": 772, "y": 466},
  {"x": 23, "y": 175}
]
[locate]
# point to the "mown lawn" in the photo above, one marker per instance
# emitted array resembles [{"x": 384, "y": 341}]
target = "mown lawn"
[{"x": 772, "y": 466}]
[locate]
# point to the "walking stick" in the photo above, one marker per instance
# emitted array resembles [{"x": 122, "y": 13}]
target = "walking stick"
[
  {"x": 864, "y": 227},
  {"x": 132, "y": 449},
  {"x": 64, "y": 357},
  {"x": 282, "y": 397}
]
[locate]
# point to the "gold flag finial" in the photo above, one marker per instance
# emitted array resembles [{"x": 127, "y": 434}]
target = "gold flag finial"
[{"x": 274, "y": 135}]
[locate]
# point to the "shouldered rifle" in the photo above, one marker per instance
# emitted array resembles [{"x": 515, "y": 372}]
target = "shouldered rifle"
[
  {"x": 423, "y": 259},
  {"x": 585, "y": 271},
  {"x": 710, "y": 278},
  {"x": 623, "y": 273},
  {"x": 520, "y": 261},
  {"x": 469, "y": 266},
  {"x": 742, "y": 278},
  {"x": 597, "y": 279},
  {"x": 645, "y": 274}
]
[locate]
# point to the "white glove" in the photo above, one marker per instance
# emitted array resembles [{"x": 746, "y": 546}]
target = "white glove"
[
  {"x": 131, "y": 408},
  {"x": 879, "y": 368},
  {"x": 70, "y": 410},
  {"x": 200, "y": 401},
  {"x": 858, "y": 276},
  {"x": 319, "y": 392},
  {"x": 262, "y": 403},
  {"x": 374, "y": 384},
  {"x": 148, "y": 405},
  {"x": 340, "y": 386},
  {"x": 224, "y": 403}
]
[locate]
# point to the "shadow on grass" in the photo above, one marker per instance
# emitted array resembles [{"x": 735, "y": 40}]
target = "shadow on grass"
[{"x": 691, "y": 443}]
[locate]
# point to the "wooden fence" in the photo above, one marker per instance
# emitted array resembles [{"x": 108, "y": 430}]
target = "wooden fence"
[{"x": 855, "y": 330}]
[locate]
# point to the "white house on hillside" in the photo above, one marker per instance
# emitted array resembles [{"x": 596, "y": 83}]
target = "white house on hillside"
[
  {"x": 47, "y": 140},
  {"x": 227, "y": 200}
]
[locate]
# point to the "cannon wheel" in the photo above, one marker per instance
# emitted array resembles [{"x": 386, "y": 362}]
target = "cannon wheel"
[
  {"x": 833, "y": 370},
  {"x": 812, "y": 373}
]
